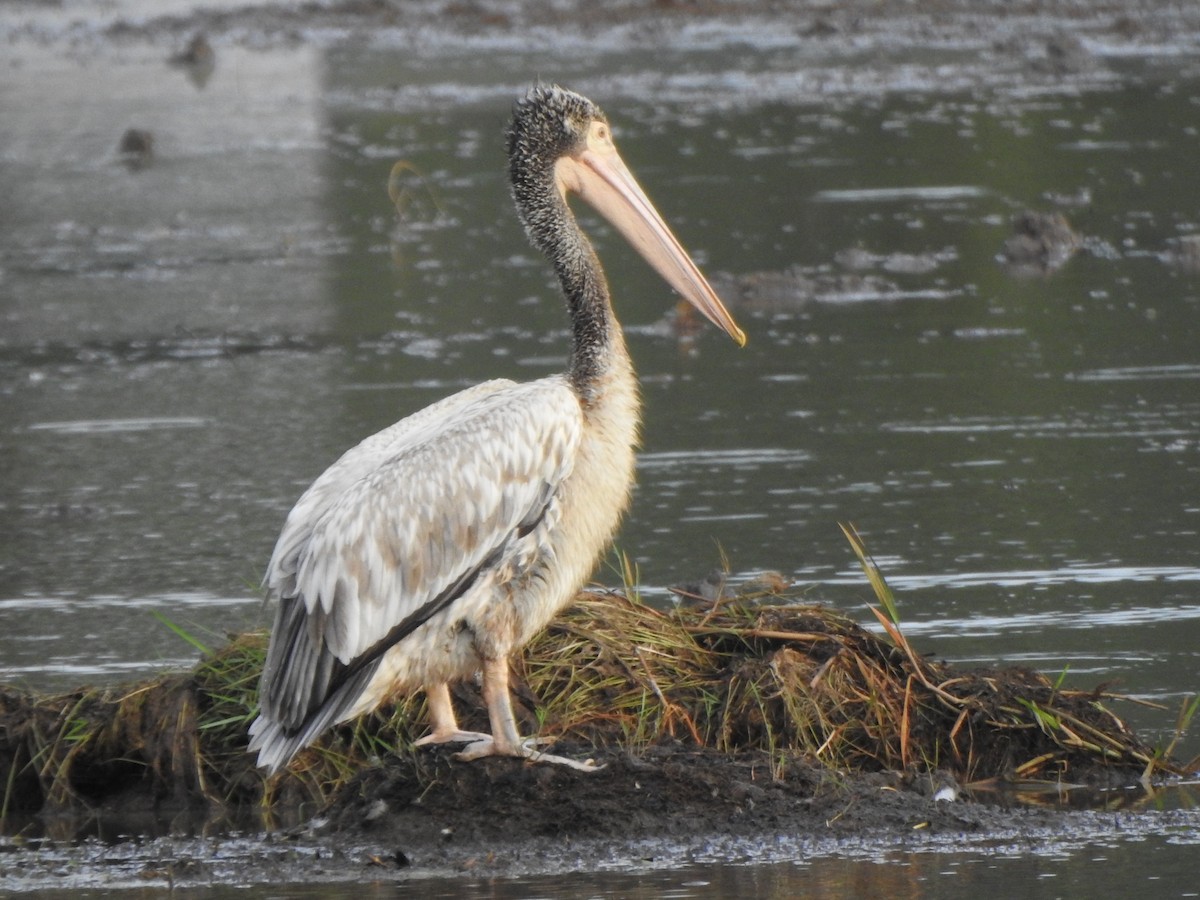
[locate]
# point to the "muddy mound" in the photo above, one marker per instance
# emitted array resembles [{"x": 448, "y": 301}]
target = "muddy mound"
[
  {"x": 717, "y": 707},
  {"x": 430, "y": 810}
]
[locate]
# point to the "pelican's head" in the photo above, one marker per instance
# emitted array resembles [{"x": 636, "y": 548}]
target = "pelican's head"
[{"x": 560, "y": 138}]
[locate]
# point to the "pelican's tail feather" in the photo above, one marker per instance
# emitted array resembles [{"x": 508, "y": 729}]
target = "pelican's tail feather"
[{"x": 276, "y": 745}]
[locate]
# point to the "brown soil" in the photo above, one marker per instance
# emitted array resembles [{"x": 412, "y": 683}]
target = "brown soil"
[
  {"x": 431, "y": 815},
  {"x": 501, "y": 815}
]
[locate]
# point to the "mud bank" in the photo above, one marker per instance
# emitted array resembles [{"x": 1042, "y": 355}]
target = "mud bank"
[
  {"x": 759, "y": 732},
  {"x": 667, "y": 809},
  {"x": 926, "y": 22},
  {"x": 843, "y": 49},
  {"x": 666, "y": 806}
]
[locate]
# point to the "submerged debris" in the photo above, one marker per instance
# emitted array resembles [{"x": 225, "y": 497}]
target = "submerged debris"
[
  {"x": 198, "y": 60},
  {"x": 733, "y": 674},
  {"x": 793, "y": 288},
  {"x": 136, "y": 149},
  {"x": 1041, "y": 243}
]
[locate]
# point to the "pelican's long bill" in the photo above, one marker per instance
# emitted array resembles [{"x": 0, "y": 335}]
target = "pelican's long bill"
[{"x": 599, "y": 176}]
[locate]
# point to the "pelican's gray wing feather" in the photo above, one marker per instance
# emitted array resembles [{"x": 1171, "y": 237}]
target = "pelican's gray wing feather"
[
  {"x": 353, "y": 465},
  {"x": 394, "y": 532}
]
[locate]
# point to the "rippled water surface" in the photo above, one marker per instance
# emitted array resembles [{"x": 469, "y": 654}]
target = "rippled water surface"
[
  {"x": 184, "y": 346},
  {"x": 1161, "y": 864}
]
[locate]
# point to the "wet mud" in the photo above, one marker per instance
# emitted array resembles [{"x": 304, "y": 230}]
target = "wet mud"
[
  {"x": 431, "y": 816},
  {"x": 506, "y": 816},
  {"x": 741, "y": 780}
]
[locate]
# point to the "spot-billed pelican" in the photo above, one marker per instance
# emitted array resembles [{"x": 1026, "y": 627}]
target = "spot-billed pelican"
[{"x": 438, "y": 547}]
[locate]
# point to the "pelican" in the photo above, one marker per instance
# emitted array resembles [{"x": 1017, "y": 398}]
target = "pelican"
[{"x": 440, "y": 546}]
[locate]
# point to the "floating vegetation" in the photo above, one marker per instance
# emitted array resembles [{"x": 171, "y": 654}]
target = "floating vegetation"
[{"x": 752, "y": 671}]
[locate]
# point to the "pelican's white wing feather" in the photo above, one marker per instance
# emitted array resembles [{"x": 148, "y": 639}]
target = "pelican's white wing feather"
[
  {"x": 353, "y": 465},
  {"x": 398, "y": 528}
]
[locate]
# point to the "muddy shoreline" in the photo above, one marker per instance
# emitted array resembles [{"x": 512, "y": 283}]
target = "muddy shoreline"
[
  {"x": 664, "y": 805},
  {"x": 431, "y": 817},
  {"x": 845, "y": 48},
  {"x": 126, "y": 803}
]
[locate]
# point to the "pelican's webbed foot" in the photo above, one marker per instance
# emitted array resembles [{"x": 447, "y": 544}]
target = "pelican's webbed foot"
[
  {"x": 526, "y": 749},
  {"x": 452, "y": 737}
]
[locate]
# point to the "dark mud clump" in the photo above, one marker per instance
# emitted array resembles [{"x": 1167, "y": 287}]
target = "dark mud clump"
[{"x": 432, "y": 811}]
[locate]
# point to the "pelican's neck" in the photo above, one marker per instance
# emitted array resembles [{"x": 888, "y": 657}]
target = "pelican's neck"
[
  {"x": 597, "y": 344},
  {"x": 598, "y": 351}
]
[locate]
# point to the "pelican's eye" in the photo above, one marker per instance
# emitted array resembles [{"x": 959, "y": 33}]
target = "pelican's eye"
[{"x": 600, "y": 137}]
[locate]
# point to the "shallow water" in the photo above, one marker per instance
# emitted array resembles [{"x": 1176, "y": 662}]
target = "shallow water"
[
  {"x": 183, "y": 347},
  {"x": 925, "y": 866}
]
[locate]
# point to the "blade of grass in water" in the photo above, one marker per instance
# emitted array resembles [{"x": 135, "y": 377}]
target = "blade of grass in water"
[
  {"x": 182, "y": 633},
  {"x": 874, "y": 576}
]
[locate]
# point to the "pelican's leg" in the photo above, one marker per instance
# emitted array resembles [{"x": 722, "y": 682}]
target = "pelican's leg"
[
  {"x": 443, "y": 726},
  {"x": 505, "y": 740}
]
